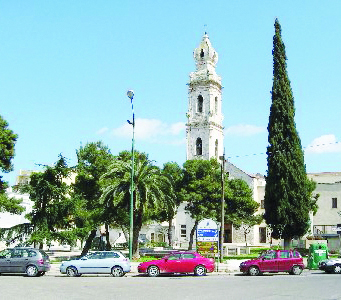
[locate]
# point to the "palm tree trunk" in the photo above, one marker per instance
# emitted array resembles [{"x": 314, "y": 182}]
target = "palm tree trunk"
[
  {"x": 125, "y": 231},
  {"x": 191, "y": 237},
  {"x": 88, "y": 242},
  {"x": 136, "y": 233},
  {"x": 170, "y": 233},
  {"x": 107, "y": 246}
]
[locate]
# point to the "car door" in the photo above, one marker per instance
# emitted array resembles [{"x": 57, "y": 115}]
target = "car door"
[
  {"x": 5, "y": 260},
  {"x": 173, "y": 263},
  {"x": 18, "y": 262},
  {"x": 188, "y": 262},
  {"x": 284, "y": 261},
  {"x": 111, "y": 259},
  {"x": 90, "y": 263},
  {"x": 106, "y": 261},
  {"x": 269, "y": 262}
]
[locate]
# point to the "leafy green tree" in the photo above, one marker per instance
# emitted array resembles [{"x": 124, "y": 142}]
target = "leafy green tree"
[
  {"x": 52, "y": 207},
  {"x": 288, "y": 192},
  {"x": 202, "y": 192},
  {"x": 150, "y": 195},
  {"x": 93, "y": 161},
  {"x": 7, "y": 143}
]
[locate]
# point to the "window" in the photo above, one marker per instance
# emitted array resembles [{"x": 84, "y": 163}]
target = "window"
[
  {"x": 160, "y": 237},
  {"x": 110, "y": 255},
  {"x": 285, "y": 254},
  {"x": 262, "y": 204},
  {"x": 95, "y": 255},
  {"x": 216, "y": 105},
  {"x": 262, "y": 234},
  {"x": 5, "y": 254},
  {"x": 202, "y": 53},
  {"x": 174, "y": 256},
  {"x": 152, "y": 237},
  {"x": 200, "y": 103},
  {"x": 296, "y": 254},
  {"x": 183, "y": 232},
  {"x": 216, "y": 149},
  {"x": 199, "y": 146},
  {"x": 188, "y": 256},
  {"x": 143, "y": 237},
  {"x": 334, "y": 202},
  {"x": 270, "y": 255}
]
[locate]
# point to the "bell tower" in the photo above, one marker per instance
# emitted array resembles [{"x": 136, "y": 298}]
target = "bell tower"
[{"x": 204, "y": 129}]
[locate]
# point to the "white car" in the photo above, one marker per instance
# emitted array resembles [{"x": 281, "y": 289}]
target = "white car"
[
  {"x": 101, "y": 262},
  {"x": 331, "y": 265}
]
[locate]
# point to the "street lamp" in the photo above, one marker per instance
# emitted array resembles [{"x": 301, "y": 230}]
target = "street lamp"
[
  {"x": 130, "y": 95},
  {"x": 222, "y": 207}
]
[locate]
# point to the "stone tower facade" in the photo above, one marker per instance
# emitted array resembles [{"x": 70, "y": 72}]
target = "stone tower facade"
[{"x": 204, "y": 129}]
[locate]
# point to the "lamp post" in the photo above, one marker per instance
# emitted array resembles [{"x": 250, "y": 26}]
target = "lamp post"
[
  {"x": 130, "y": 95},
  {"x": 222, "y": 207}
]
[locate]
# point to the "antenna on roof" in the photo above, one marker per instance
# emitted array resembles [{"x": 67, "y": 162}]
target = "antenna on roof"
[{"x": 205, "y": 28}]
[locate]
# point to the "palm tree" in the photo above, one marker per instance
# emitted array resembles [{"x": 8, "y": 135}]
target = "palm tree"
[{"x": 152, "y": 194}]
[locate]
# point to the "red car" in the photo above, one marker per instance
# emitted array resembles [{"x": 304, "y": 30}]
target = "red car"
[
  {"x": 178, "y": 262},
  {"x": 274, "y": 261}
]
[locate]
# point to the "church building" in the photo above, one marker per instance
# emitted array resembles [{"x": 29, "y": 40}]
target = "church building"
[{"x": 205, "y": 131}]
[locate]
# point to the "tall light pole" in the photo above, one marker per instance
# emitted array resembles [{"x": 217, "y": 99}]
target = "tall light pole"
[
  {"x": 222, "y": 207},
  {"x": 130, "y": 95}
]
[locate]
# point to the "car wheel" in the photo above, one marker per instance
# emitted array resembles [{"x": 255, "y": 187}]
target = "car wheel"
[
  {"x": 254, "y": 271},
  {"x": 153, "y": 271},
  {"x": 296, "y": 270},
  {"x": 199, "y": 270},
  {"x": 117, "y": 271},
  {"x": 71, "y": 272},
  {"x": 32, "y": 271},
  {"x": 337, "y": 269}
]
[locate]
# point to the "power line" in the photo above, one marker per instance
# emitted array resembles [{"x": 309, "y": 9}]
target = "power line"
[{"x": 262, "y": 153}]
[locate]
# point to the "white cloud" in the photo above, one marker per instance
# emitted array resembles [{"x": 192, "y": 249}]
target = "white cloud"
[
  {"x": 153, "y": 130},
  {"x": 102, "y": 130},
  {"x": 324, "y": 144},
  {"x": 244, "y": 130}
]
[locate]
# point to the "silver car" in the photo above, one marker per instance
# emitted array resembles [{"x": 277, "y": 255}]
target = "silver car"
[
  {"x": 101, "y": 262},
  {"x": 33, "y": 262}
]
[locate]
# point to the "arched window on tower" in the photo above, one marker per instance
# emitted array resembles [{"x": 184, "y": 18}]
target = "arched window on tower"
[
  {"x": 202, "y": 54},
  {"x": 200, "y": 103},
  {"x": 216, "y": 149},
  {"x": 216, "y": 105},
  {"x": 199, "y": 146}
]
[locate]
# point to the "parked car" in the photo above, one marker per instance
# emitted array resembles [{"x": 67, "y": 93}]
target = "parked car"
[
  {"x": 101, "y": 262},
  {"x": 33, "y": 262},
  {"x": 274, "y": 261},
  {"x": 178, "y": 262},
  {"x": 330, "y": 265}
]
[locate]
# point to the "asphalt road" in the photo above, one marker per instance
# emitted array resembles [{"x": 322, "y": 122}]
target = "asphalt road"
[{"x": 309, "y": 285}]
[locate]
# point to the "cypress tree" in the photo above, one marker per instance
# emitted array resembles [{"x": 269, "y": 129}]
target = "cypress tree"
[{"x": 288, "y": 191}]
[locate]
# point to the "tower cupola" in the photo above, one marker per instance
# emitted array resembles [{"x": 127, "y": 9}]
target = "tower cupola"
[{"x": 205, "y": 55}]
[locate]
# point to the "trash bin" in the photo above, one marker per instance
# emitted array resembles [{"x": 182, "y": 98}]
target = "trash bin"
[{"x": 317, "y": 252}]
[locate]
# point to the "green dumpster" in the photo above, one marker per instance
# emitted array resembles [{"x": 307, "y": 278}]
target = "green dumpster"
[{"x": 317, "y": 252}]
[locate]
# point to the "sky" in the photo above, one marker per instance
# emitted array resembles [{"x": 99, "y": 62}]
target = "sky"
[{"x": 66, "y": 66}]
